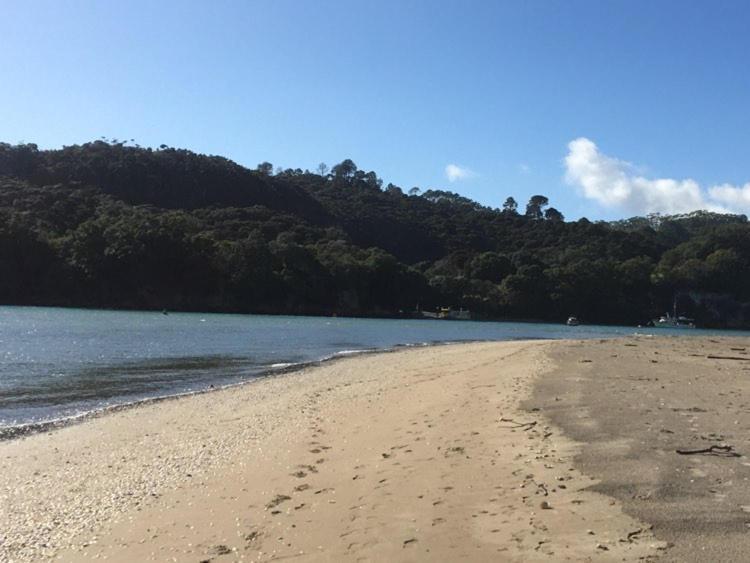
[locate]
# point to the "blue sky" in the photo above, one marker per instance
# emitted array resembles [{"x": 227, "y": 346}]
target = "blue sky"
[{"x": 608, "y": 108}]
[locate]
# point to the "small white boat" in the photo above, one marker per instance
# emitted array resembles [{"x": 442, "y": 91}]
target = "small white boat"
[
  {"x": 573, "y": 321},
  {"x": 674, "y": 320},
  {"x": 670, "y": 321}
]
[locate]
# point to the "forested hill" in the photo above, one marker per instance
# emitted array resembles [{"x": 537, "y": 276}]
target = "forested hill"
[{"x": 112, "y": 225}]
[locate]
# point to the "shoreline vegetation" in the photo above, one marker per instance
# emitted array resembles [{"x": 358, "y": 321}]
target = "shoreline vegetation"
[
  {"x": 517, "y": 450},
  {"x": 109, "y": 224}
]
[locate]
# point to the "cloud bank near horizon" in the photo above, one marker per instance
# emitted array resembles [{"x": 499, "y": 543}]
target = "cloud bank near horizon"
[{"x": 615, "y": 184}]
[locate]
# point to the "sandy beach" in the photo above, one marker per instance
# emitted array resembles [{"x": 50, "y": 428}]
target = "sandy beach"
[
  {"x": 636, "y": 404},
  {"x": 510, "y": 451}
]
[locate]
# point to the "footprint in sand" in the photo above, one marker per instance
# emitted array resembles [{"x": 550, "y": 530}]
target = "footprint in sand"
[
  {"x": 277, "y": 500},
  {"x": 220, "y": 550}
]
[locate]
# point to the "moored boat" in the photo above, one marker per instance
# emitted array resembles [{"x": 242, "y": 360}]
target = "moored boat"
[
  {"x": 671, "y": 321},
  {"x": 674, "y": 320}
]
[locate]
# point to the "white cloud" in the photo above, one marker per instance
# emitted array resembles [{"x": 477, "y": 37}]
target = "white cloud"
[
  {"x": 616, "y": 184},
  {"x": 455, "y": 172},
  {"x": 524, "y": 168},
  {"x": 732, "y": 196}
]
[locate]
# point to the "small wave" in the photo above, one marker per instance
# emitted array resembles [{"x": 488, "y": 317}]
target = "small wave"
[
  {"x": 283, "y": 365},
  {"x": 353, "y": 352},
  {"x": 13, "y": 430}
]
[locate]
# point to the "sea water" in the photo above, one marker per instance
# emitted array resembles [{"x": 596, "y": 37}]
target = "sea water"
[{"x": 57, "y": 363}]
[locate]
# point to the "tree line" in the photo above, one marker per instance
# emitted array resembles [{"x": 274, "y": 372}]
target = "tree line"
[{"x": 110, "y": 224}]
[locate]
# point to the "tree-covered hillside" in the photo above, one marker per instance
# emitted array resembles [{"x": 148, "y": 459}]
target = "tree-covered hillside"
[{"x": 112, "y": 225}]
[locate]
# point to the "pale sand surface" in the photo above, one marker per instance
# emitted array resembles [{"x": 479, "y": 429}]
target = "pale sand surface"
[
  {"x": 634, "y": 402},
  {"x": 405, "y": 456}
]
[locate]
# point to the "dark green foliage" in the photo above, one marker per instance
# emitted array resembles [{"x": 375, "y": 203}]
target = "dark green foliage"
[
  {"x": 535, "y": 207},
  {"x": 106, "y": 224},
  {"x": 490, "y": 266},
  {"x": 510, "y": 206},
  {"x": 553, "y": 214}
]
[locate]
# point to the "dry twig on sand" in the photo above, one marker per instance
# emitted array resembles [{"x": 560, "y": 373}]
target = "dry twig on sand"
[
  {"x": 524, "y": 425},
  {"x": 727, "y": 451},
  {"x": 714, "y": 357},
  {"x": 635, "y": 534}
]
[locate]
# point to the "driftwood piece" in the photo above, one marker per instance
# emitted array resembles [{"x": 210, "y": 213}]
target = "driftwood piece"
[{"x": 727, "y": 451}]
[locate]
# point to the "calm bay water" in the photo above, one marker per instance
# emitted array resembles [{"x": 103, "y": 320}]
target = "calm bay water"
[{"x": 57, "y": 363}]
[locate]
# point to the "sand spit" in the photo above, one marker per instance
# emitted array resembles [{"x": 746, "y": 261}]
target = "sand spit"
[{"x": 418, "y": 455}]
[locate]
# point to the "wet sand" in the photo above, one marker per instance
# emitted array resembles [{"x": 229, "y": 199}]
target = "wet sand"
[
  {"x": 634, "y": 403},
  {"x": 417, "y": 455}
]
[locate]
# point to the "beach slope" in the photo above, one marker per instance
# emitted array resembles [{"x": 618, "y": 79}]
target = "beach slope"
[{"x": 416, "y": 455}]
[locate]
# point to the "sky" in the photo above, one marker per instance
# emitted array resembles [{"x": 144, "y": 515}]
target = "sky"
[{"x": 610, "y": 109}]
